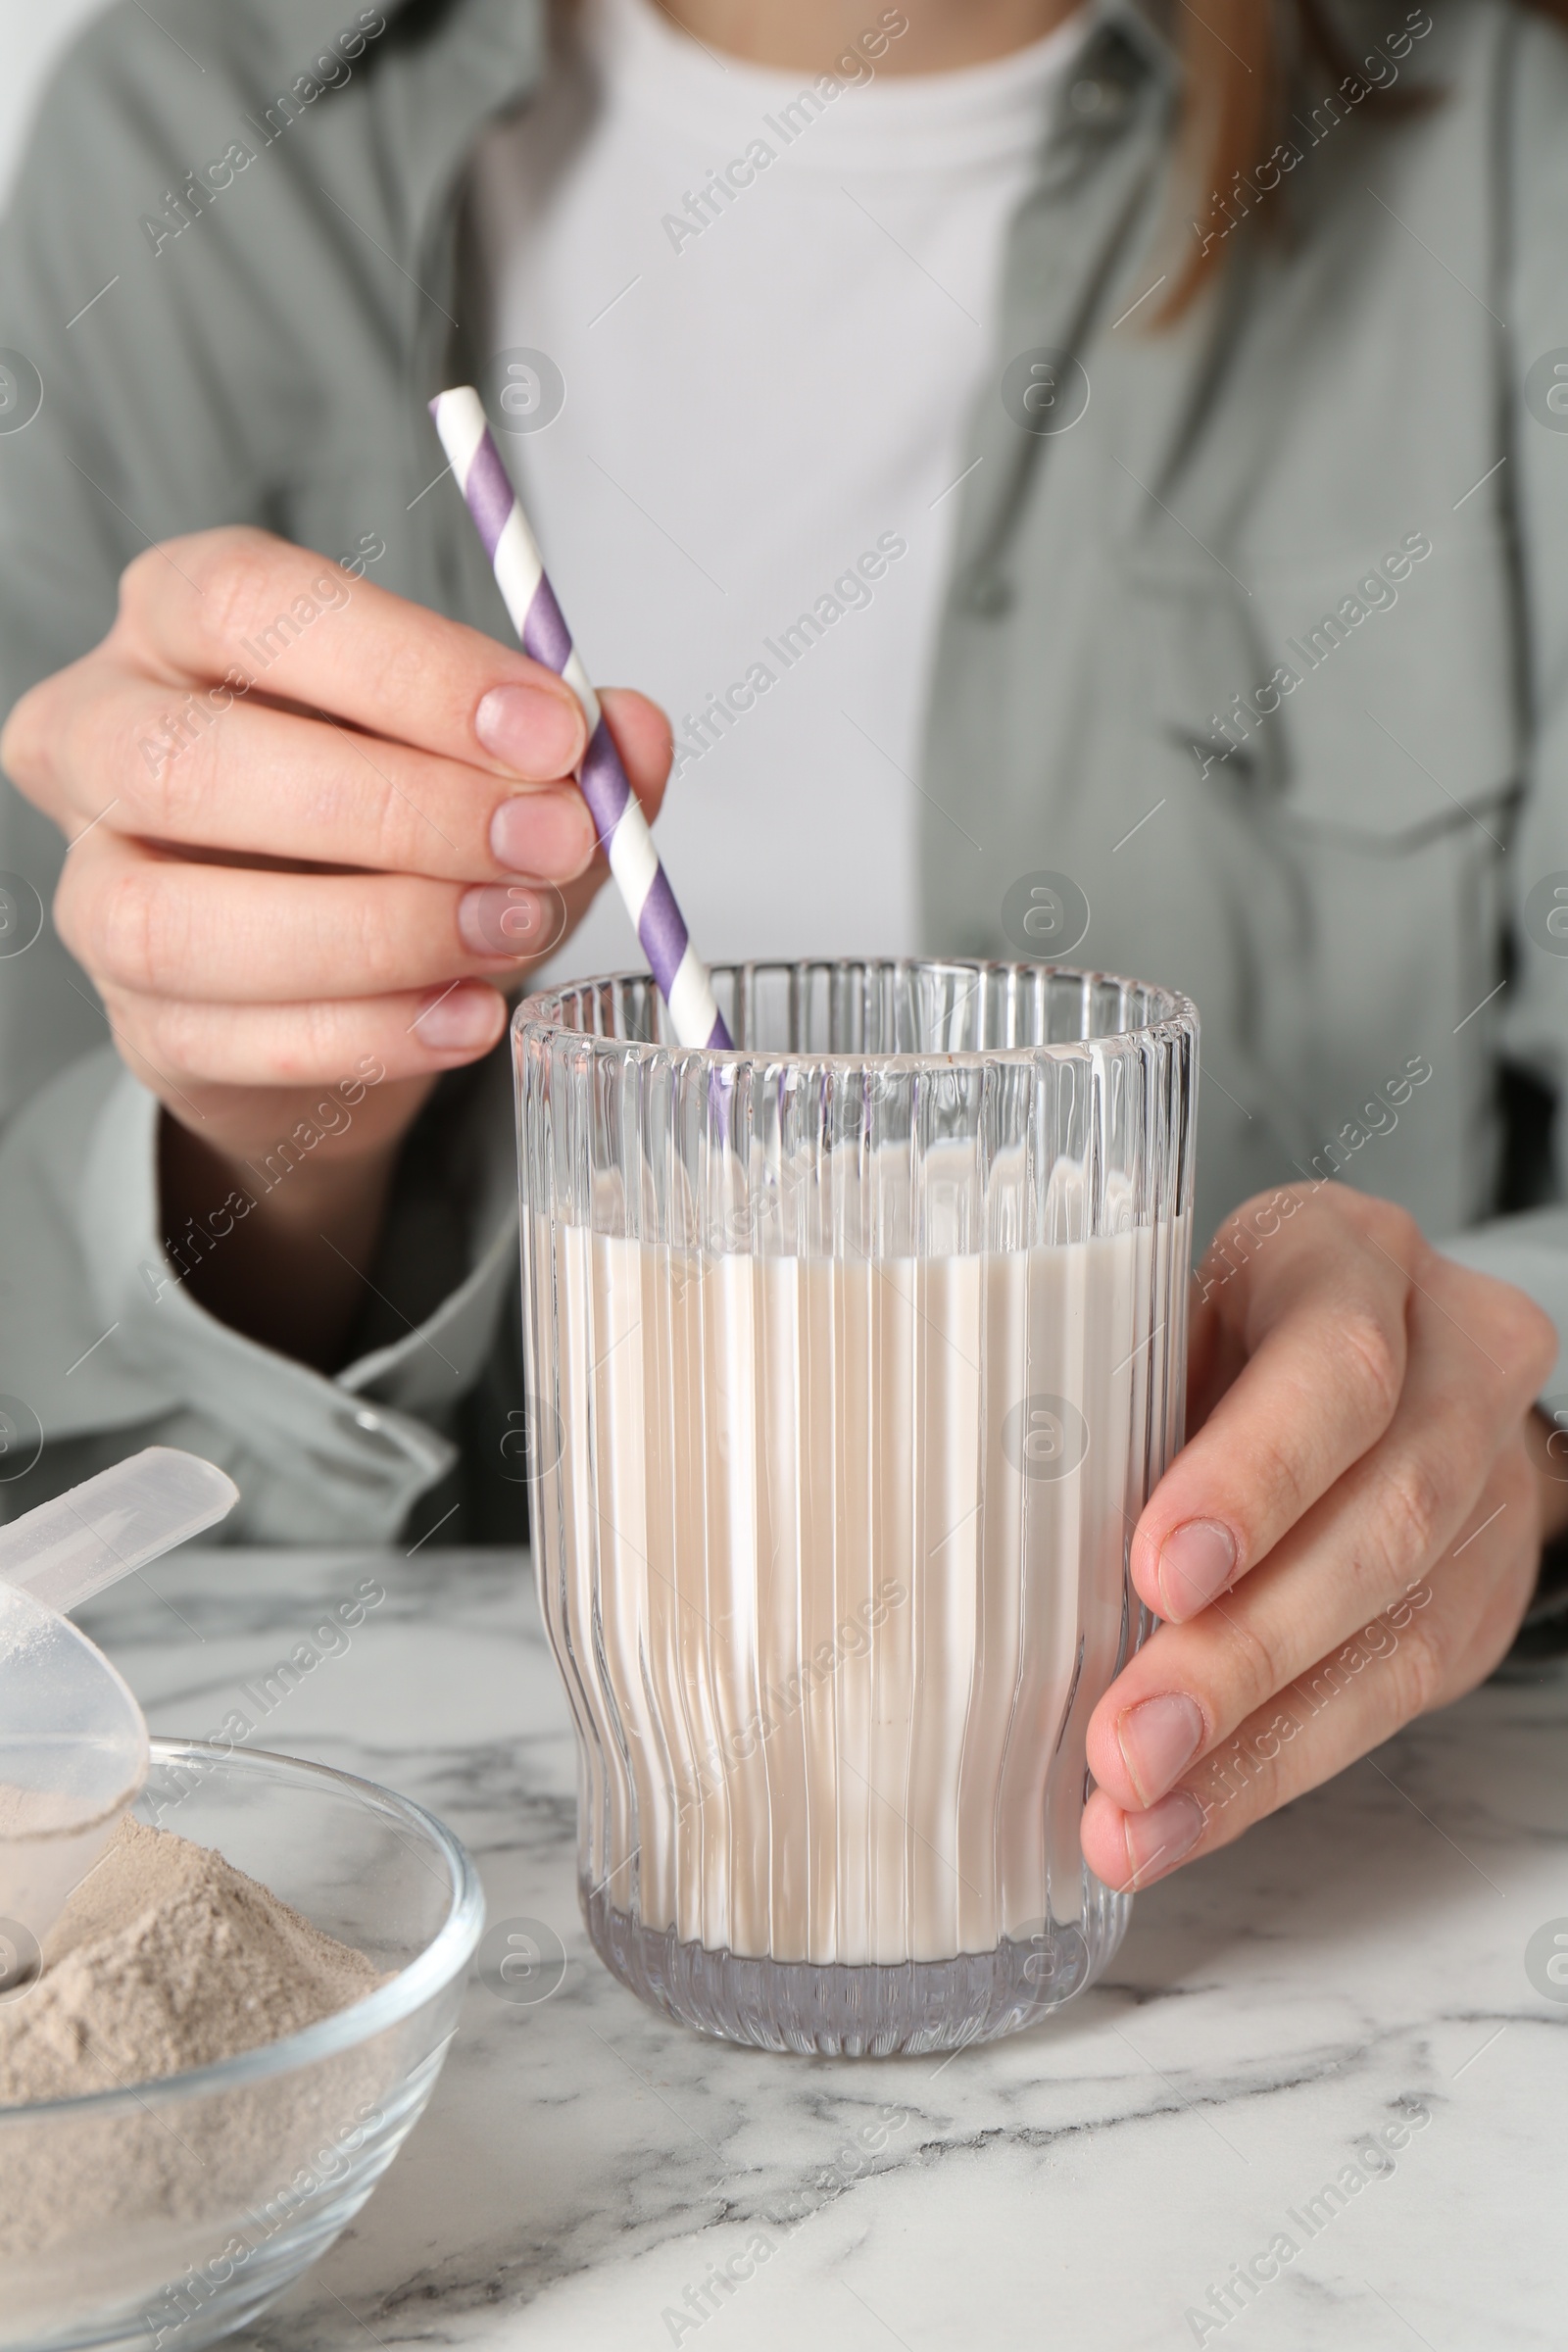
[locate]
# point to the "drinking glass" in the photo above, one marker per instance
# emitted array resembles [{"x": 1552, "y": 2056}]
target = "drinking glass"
[{"x": 851, "y": 1355}]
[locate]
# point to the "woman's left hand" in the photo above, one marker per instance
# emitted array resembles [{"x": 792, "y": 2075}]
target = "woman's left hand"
[{"x": 1350, "y": 1536}]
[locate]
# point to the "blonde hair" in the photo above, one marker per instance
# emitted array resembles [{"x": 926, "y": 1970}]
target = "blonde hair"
[{"x": 1248, "y": 66}]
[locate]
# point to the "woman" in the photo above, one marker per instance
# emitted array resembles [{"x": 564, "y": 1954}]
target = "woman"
[{"x": 1165, "y": 413}]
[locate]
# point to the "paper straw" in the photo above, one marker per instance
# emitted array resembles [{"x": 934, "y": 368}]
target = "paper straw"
[{"x": 681, "y": 974}]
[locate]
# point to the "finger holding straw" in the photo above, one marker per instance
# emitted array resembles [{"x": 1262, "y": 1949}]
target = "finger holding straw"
[{"x": 680, "y": 972}]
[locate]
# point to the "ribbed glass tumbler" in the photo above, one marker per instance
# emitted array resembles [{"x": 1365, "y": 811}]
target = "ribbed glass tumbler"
[{"x": 853, "y": 1355}]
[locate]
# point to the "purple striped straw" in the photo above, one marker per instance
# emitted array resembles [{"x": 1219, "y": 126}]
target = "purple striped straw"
[{"x": 682, "y": 976}]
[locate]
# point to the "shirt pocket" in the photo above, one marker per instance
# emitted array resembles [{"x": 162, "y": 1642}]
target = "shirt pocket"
[
  {"x": 1374, "y": 695},
  {"x": 1355, "y": 750}
]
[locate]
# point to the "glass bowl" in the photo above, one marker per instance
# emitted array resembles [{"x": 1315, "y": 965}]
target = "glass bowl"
[{"x": 169, "y": 2213}]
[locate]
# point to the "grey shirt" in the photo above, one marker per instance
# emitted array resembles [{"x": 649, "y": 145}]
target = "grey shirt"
[{"x": 1266, "y": 653}]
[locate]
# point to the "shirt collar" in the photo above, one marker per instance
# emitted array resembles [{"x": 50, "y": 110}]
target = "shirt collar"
[{"x": 1133, "y": 38}]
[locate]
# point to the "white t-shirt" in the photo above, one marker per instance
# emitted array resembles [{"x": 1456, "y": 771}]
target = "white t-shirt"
[{"x": 772, "y": 300}]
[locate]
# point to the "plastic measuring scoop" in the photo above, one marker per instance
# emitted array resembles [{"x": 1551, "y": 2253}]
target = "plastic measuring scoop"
[{"x": 72, "y": 1739}]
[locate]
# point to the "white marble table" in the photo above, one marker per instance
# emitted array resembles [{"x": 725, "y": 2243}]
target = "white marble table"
[{"x": 584, "y": 2164}]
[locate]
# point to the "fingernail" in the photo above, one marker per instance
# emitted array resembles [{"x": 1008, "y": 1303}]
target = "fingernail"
[
  {"x": 1196, "y": 1562},
  {"x": 534, "y": 732},
  {"x": 460, "y": 1019},
  {"x": 507, "y": 918},
  {"x": 1158, "y": 1840},
  {"x": 548, "y": 834},
  {"x": 1159, "y": 1737}
]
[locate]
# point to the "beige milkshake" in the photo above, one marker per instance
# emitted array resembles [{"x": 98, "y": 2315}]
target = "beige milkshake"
[{"x": 834, "y": 1556}]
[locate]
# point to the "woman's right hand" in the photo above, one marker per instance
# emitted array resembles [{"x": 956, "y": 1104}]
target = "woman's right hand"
[{"x": 320, "y": 878}]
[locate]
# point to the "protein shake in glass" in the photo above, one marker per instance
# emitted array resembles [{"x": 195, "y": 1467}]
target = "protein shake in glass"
[{"x": 853, "y": 1354}]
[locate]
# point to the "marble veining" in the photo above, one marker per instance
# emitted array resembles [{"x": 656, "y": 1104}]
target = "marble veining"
[{"x": 589, "y": 2174}]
